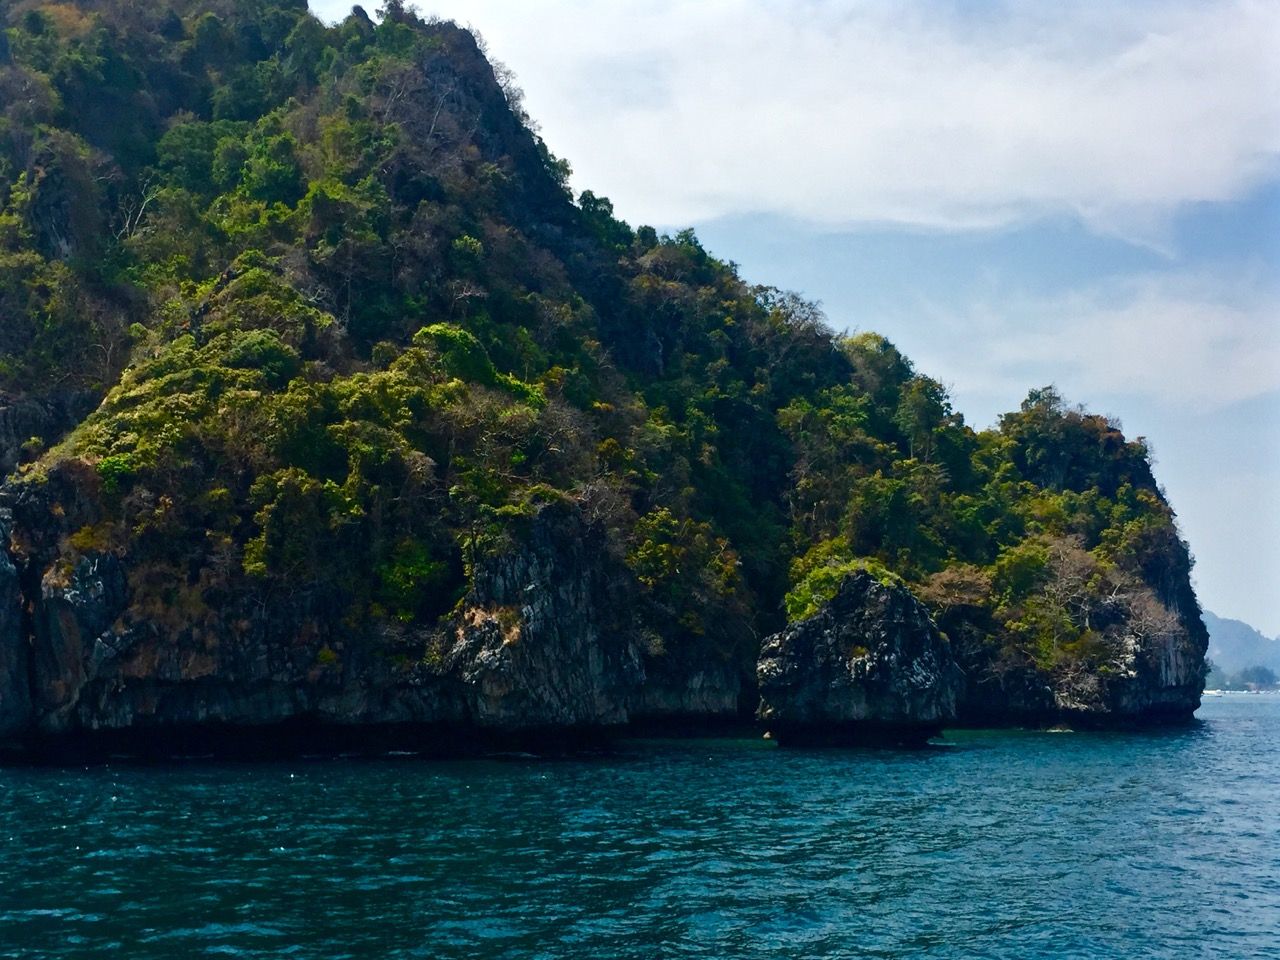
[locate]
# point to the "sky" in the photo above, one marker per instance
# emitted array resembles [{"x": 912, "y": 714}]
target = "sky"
[{"x": 1078, "y": 193}]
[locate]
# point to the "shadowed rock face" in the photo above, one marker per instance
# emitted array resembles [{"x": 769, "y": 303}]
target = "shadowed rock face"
[
  {"x": 73, "y": 639},
  {"x": 544, "y": 640},
  {"x": 19, "y": 421},
  {"x": 549, "y": 637},
  {"x": 710, "y": 689},
  {"x": 15, "y": 699},
  {"x": 43, "y": 418},
  {"x": 870, "y": 660}
]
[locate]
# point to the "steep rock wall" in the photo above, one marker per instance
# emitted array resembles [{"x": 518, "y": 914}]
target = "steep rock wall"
[
  {"x": 1142, "y": 662},
  {"x": 15, "y": 651},
  {"x": 870, "y": 658},
  {"x": 544, "y": 639}
]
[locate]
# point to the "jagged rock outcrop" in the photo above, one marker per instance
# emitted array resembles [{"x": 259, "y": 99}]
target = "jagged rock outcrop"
[
  {"x": 548, "y": 637},
  {"x": 551, "y": 635},
  {"x": 545, "y": 637},
  {"x": 869, "y": 663}
]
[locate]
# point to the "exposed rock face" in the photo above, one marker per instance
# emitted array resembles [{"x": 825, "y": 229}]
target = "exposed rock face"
[
  {"x": 551, "y": 636},
  {"x": 711, "y": 689},
  {"x": 545, "y": 639},
  {"x": 871, "y": 660},
  {"x": 15, "y": 653},
  {"x": 1145, "y": 662},
  {"x": 73, "y": 639},
  {"x": 1156, "y": 671}
]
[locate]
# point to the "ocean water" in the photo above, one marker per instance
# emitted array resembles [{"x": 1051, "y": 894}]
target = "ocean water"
[{"x": 996, "y": 844}]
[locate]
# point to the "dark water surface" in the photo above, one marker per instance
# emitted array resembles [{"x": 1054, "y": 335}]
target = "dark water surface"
[{"x": 1001, "y": 844}]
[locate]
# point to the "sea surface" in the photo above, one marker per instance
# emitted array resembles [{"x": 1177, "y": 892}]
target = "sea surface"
[{"x": 994, "y": 844}]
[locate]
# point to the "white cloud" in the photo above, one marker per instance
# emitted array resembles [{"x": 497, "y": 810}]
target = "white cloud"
[
  {"x": 1189, "y": 343},
  {"x": 960, "y": 116},
  {"x": 929, "y": 114}
]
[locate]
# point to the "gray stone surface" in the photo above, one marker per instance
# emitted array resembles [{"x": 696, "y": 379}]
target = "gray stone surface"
[
  {"x": 869, "y": 658},
  {"x": 15, "y": 651}
]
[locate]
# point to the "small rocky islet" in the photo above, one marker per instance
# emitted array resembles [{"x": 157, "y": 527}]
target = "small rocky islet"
[{"x": 326, "y": 408}]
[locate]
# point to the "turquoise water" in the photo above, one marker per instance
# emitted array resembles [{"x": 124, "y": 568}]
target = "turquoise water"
[{"x": 999, "y": 844}]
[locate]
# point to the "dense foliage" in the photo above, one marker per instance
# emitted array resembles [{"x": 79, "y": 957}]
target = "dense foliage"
[{"x": 351, "y": 329}]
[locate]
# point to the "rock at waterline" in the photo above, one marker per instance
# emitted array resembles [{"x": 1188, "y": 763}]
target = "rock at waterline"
[{"x": 869, "y": 665}]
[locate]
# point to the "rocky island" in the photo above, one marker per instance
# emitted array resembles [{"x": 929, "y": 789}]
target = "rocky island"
[{"x": 325, "y": 406}]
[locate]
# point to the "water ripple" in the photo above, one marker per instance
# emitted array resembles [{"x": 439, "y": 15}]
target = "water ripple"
[{"x": 1004, "y": 845}]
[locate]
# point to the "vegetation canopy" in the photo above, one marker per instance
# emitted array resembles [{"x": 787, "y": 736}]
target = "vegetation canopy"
[{"x": 347, "y": 330}]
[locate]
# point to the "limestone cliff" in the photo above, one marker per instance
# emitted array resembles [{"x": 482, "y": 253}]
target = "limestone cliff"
[
  {"x": 325, "y": 402},
  {"x": 547, "y": 638},
  {"x": 1125, "y": 648},
  {"x": 870, "y": 659},
  {"x": 15, "y": 652},
  {"x": 543, "y": 640},
  {"x": 550, "y": 636}
]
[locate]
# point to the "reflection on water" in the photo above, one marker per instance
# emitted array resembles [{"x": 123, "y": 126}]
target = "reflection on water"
[{"x": 999, "y": 844}]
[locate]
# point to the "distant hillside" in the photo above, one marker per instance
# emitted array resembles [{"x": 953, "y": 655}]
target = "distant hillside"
[{"x": 1234, "y": 645}]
